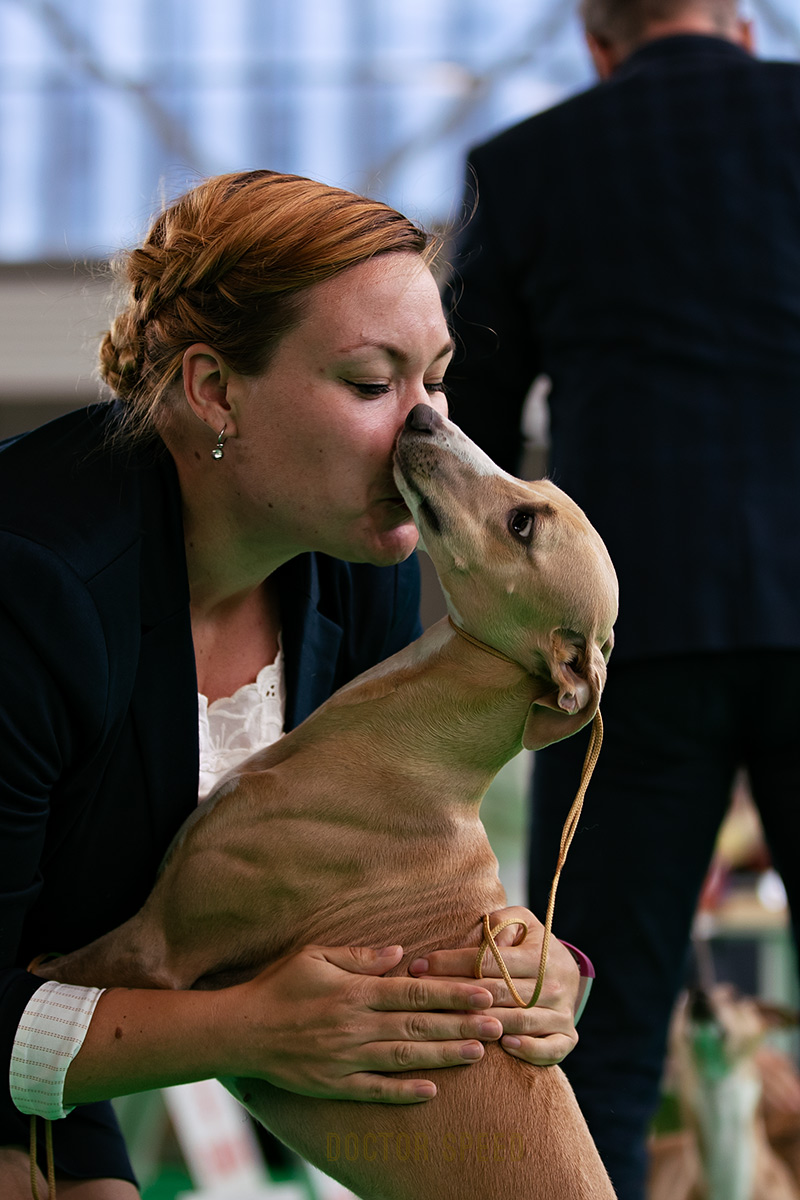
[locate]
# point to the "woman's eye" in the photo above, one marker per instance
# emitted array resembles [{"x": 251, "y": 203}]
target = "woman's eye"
[
  {"x": 369, "y": 390},
  {"x": 521, "y": 525},
  {"x": 436, "y": 387}
]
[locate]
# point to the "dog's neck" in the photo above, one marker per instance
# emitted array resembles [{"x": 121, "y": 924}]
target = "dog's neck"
[
  {"x": 468, "y": 637},
  {"x": 482, "y": 699}
]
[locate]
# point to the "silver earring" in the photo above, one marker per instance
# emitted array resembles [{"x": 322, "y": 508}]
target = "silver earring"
[{"x": 218, "y": 451}]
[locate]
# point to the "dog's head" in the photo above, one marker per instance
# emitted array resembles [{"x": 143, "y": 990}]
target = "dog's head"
[{"x": 521, "y": 567}]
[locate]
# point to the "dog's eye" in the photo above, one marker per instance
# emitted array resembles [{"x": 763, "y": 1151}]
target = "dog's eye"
[{"x": 522, "y": 525}]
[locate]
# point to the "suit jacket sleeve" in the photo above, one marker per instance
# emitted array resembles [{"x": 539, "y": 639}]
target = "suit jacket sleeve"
[
  {"x": 495, "y": 359},
  {"x": 53, "y": 694}
]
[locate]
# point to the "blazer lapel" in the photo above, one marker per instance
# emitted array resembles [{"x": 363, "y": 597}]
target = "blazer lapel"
[
  {"x": 311, "y": 641},
  {"x": 164, "y": 705}
]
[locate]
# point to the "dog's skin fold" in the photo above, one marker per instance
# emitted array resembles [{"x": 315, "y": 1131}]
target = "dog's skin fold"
[{"x": 362, "y": 827}]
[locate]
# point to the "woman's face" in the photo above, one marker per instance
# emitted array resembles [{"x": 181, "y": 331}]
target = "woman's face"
[{"x": 315, "y": 432}]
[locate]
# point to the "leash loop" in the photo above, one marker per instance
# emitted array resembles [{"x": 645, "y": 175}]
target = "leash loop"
[
  {"x": 567, "y": 834},
  {"x": 51, "y": 1167},
  {"x": 489, "y": 943}
]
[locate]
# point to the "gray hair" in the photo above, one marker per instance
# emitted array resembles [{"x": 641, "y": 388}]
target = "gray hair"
[{"x": 624, "y": 22}]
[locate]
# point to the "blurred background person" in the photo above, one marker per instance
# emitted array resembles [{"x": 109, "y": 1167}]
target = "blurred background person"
[{"x": 639, "y": 245}]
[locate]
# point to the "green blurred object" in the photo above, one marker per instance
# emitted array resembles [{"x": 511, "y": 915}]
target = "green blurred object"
[
  {"x": 668, "y": 1116},
  {"x": 171, "y": 1182}
]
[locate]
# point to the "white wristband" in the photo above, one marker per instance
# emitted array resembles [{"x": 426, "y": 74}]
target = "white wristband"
[{"x": 49, "y": 1035}]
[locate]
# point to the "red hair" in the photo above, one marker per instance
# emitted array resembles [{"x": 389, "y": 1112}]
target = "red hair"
[{"x": 227, "y": 264}]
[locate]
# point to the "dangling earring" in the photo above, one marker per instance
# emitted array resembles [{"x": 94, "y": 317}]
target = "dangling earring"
[{"x": 218, "y": 451}]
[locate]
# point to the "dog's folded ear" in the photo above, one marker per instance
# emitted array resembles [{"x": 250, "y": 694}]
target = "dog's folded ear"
[
  {"x": 569, "y": 700},
  {"x": 547, "y": 723}
]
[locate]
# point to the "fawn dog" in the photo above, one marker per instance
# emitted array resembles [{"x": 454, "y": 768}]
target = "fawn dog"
[{"x": 361, "y": 827}]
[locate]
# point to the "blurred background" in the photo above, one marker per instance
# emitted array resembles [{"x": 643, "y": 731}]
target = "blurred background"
[{"x": 110, "y": 107}]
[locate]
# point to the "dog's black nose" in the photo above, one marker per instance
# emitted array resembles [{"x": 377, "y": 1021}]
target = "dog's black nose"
[{"x": 422, "y": 418}]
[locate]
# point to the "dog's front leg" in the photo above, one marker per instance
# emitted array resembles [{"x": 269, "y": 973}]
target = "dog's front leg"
[{"x": 496, "y": 1129}]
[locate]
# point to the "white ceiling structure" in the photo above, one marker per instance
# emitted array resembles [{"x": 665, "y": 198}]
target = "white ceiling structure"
[{"x": 105, "y": 106}]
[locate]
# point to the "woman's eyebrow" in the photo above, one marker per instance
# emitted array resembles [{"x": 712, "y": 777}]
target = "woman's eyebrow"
[{"x": 395, "y": 352}]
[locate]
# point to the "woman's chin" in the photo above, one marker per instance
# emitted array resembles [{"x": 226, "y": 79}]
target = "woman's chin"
[{"x": 393, "y": 546}]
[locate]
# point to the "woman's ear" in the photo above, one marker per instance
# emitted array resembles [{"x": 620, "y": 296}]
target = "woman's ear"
[{"x": 206, "y": 377}]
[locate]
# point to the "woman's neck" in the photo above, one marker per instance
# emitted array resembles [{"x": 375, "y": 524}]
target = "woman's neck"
[
  {"x": 234, "y": 608},
  {"x": 234, "y": 641},
  {"x": 227, "y": 556}
]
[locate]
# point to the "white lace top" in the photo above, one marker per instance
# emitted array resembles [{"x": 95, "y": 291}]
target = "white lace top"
[
  {"x": 55, "y": 1021},
  {"x": 233, "y": 727}
]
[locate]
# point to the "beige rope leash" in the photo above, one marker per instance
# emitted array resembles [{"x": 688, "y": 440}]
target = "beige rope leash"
[
  {"x": 485, "y": 646},
  {"x": 489, "y": 943},
  {"x": 51, "y": 1168},
  {"x": 567, "y": 834}
]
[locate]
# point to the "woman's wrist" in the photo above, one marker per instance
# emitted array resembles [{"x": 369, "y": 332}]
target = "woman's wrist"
[{"x": 141, "y": 1039}]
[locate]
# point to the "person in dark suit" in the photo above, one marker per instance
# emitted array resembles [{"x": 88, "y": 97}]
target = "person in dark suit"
[
  {"x": 639, "y": 246},
  {"x": 232, "y": 513}
]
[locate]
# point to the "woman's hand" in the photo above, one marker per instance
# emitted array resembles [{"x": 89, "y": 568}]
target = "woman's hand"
[
  {"x": 542, "y": 1035},
  {"x": 323, "y": 1022}
]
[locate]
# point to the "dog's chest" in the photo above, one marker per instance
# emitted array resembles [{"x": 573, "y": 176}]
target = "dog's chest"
[{"x": 320, "y": 876}]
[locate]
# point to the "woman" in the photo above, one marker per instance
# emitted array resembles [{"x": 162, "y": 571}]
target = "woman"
[{"x": 187, "y": 571}]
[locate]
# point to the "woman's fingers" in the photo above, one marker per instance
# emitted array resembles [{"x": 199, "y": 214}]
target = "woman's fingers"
[{"x": 327, "y": 1020}]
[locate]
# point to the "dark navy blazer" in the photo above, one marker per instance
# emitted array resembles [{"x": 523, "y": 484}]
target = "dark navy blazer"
[
  {"x": 98, "y": 693},
  {"x": 640, "y": 244}
]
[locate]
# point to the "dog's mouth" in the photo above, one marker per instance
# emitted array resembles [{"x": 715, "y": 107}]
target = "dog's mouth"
[
  {"x": 425, "y": 515},
  {"x": 428, "y": 515}
]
